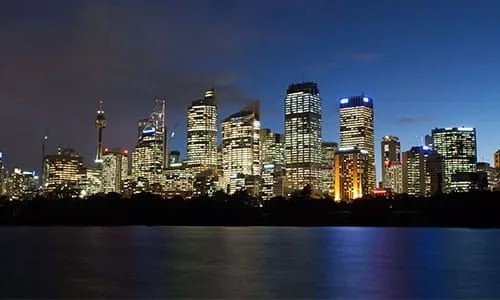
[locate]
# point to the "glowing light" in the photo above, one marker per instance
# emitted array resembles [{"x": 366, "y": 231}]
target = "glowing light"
[
  {"x": 366, "y": 99},
  {"x": 344, "y": 100},
  {"x": 125, "y": 151},
  {"x": 426, "y": 147},
  {"x": 268, "y": 166},
  {"x": 149, "y": 130}
]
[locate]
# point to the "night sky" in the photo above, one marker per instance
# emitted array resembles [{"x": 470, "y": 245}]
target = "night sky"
[{"x": 426, "y": 64}]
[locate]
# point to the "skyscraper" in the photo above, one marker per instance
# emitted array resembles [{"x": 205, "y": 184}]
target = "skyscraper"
[
  {"x": 100, "y": 124},
  {"x": 302, "y": 136},
  {"x": 114, "y": 169},
  {"x": 62, "y": 170},
  {"x": 422, "y": 171},
  {"x": 327, "y": 181},
  {"x": 356, "y": 129},
  {"x": 202, "y": 134},
  {"x": 457, "y": 146},
  {"x": 241, "y": 148},
  {"x": 391, "y": 164},
  {"x": 351, "y": 173},
  {"x": 150, "y": 156},
  {"x": 273, "y": 163}
]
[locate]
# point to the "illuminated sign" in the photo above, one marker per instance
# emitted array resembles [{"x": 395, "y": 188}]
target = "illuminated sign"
[
  {"x": 268, "y": 166},
  {"x": 148, "y": 130},
  {"x": 465, "y": 129},
  {"x": 344, "y": 100}
]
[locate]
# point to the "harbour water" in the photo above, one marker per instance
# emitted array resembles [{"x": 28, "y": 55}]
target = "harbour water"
[{"x": 249, "y": 262}]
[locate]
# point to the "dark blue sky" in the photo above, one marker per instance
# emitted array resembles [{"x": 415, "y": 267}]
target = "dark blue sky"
[{"x": 426, "y": 64}]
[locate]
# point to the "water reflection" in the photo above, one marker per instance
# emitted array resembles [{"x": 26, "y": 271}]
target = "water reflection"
[{"x": 237, "y": 263}]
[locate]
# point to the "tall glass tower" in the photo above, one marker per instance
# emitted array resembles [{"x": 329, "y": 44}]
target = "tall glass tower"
[
  {"x": 150, "y": 156},
  {"x": 302, "y": 136},
  {"x": 457, "y": 146},
  {"x": 356, "y": 130},
  {"x": 241, "y": 150},
  {"x": 202, "y": 133}
]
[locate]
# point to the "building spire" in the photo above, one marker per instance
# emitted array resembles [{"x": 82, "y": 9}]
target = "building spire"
[{"x": 100, "y": 124}]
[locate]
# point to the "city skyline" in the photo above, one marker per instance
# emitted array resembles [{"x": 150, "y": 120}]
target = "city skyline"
[{"x": 430, "y": 75}]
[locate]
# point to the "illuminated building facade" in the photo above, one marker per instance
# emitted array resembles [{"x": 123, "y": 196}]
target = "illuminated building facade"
[
  {"x": 90, "y": 181},
  {"x": 394, "y": 179},
  {"x": 100, "y": 124},
  {"x": 457, "y": 146},
  {"x": 62, "y": 170},
  {"x": 150, "y": 157},
  {"x": 356, "y": 129},
  {"x": 391, "y": 155},
  {"x": 3, "y": 176},
  {"x": 422, "y": 171},
  {"x": 202, "y": 134},
  {"x": 351, "y": 174},
  {"x": 327, "y": 181},
  {"x": 241, "y": 148},
  {"x": 302, "y": 136},
  {"x": 273, "y": 164},
  {"x": 114, "y": 169},
  {"x": 178, "y": 181},
  {"x": 487, "y": 175},
  {"x": 21, "y": 184}
]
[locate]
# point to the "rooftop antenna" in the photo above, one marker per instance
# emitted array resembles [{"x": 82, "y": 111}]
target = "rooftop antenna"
[{"x": 44, "y": 142}]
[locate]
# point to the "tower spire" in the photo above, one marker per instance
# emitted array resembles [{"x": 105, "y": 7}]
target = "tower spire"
[{"x": 100, "y": 124}]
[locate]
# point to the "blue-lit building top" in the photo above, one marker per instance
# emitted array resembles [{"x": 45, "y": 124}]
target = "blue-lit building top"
[{"x": 356, "y": 101}]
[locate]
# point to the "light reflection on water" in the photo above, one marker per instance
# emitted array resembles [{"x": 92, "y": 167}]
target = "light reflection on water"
[{"x": 248, "y": 262}]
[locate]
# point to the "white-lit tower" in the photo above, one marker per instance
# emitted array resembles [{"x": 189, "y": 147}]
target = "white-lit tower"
[{"x": 100, "y": 124}]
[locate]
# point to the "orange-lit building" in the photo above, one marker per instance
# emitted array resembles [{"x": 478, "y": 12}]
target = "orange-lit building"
[{"x": 351, "y": 174}]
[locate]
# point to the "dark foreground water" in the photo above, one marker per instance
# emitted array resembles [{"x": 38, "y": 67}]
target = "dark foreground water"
[{"x": 255, "y": 262}]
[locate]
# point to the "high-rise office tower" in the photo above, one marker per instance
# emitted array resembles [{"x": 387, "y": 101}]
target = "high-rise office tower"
[
  {"x": 100, "y": 124},
  {"x": 391, "y": 164},
  {"x": 241, "y": 149},
  {"x": 422, "y": 171},
  {"x": 62, "y": 170},
  {"x": 202, "y": 134},
  {"x": 351, "y": 173},
  {"x": 327, "y": 181},
  {"x": 457, "y": 146},
  {"x": 150, "y": 156},
  {"x": 391, "y": 153},
  {"x": 302, "y": 136},
  {"x": 114, "y": 169},
  {"x": 356, "y": 129},
  {"x": 273, "y": 163}
]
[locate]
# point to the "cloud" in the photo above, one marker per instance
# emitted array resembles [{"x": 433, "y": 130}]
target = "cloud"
[{"x": 413, "y": 120}]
